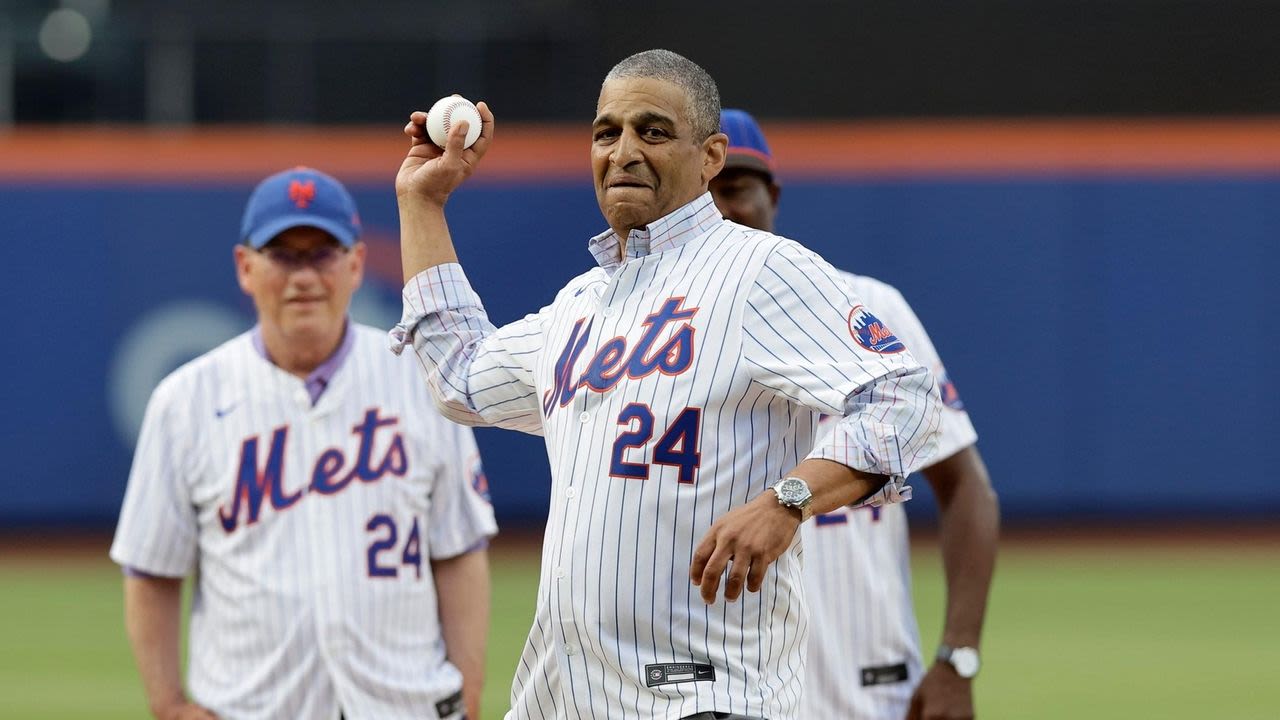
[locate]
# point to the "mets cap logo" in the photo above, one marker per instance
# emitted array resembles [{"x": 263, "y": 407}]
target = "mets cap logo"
[
  {"x": 870, "y": 333},
  {"x": 302, "y": 193},
  {"x": 950, "y": 395}
]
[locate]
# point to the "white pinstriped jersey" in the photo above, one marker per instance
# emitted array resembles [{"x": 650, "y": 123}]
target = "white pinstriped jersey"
[
  {"x": 864, "y": 653},
  {"x": 671, "y": 387},
  {"x": 310, "y": 530}
]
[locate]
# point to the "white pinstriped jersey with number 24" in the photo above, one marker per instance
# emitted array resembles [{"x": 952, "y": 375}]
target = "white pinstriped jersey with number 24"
[
  {"x": 310, "y": 530},
  {"x": 864, "y": 653},
  {"x": 672, "y": 385}
]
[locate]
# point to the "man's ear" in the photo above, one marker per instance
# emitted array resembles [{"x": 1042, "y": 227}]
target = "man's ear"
[
  {"x": 714, "y": 150},
  {"x": 359, "y": 253},
  {"x": 244, "y": 267}
]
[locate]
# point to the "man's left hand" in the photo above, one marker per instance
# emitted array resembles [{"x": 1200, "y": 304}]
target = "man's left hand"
[
  {"x": 942, "y": 695},
  {"x": 751, "y": 537}
]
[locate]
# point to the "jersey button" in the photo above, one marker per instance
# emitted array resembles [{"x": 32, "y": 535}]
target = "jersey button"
[
  {"x": 584, "y": 417},
  {"x": 559, "y": 573},
  {"x": 570, "y": 649},
  {"x": 610, "y": 311},
  {"x": 571, "y": 492}
]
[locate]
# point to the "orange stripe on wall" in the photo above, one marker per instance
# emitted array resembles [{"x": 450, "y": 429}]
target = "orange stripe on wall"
[
  {"x": 558, "y": 152},
  {"x": 1030, "y": 147},
  {"x": 248, "y": 154}
]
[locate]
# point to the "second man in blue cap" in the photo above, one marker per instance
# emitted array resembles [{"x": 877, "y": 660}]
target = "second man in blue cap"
[{"x": 864, "y": 660}]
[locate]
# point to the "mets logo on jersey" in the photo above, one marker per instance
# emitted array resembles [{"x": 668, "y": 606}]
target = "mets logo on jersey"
[
  {"x": 870, "y": 333},
  {"x": 950, "y": 395},
  {"x": 616, "y": 360}
]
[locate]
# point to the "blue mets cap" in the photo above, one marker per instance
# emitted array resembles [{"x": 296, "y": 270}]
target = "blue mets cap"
[
  {"x": 748, "y": 149},
  {"x": 301, "y": 197}
]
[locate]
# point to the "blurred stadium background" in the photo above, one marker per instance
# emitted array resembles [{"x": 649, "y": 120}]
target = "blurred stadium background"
[{"x": 1080, "y": 198}]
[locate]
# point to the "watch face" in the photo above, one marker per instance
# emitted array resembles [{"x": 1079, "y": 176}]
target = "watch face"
[
  {"x": 792, "y": 491},
  {"x": 965, "y": 661}
]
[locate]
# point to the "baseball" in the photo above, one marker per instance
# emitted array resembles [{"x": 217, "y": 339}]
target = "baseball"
[{"x": 446, "y": 113}]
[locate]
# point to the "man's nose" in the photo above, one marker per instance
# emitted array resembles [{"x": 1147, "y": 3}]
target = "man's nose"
[
  {"x": 305, "y": 274},
  {"x": 626, "y": 150}
]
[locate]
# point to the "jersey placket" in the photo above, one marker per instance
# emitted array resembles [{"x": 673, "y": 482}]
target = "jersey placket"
[
  {"x": 591, "y": 409},
  {"x": 317, "y": 596},
  {"x": 585, "y": 427},
  {"x": 621, "y": 312},
  {"x": 329, "y": 538}
]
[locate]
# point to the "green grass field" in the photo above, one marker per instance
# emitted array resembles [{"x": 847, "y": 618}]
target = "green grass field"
[{"x": 1078, "y": 630}]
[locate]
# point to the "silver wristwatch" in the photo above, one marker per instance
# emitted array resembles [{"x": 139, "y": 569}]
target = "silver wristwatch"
[
  {"x": 794, "y": 492},
  {"x": 963, "y": 659}
]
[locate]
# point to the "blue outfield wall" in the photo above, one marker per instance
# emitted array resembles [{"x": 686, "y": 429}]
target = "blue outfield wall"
[{"x": 1109, "y": 336}]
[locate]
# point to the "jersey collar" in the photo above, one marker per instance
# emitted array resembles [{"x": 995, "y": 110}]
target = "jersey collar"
[
  {"x": 319, "y": 379},
  {"x": 666, "y": 233}
]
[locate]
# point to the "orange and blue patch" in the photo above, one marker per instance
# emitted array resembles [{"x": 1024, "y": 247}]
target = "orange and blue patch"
[
  {"x": 950, "y": 395},
  {"x": 870, "y": 333},
  {"x": 480, "y": 481}
]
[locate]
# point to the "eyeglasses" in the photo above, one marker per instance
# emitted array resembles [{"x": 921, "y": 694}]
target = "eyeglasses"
[{"x": 320, "y": 258}]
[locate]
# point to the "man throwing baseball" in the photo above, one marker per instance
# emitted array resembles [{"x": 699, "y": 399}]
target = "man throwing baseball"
[
  {"x": 865, "y": 661},
  {"x": 678, "y": 384},
  {"x": 335, "y": 525}
]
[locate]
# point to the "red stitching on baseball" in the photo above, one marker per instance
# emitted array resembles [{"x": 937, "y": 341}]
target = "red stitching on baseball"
[{"x": 448, "y": 113}]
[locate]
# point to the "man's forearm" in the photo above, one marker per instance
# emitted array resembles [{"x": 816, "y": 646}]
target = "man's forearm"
[
  {"x": 425, "y": 241},
  {"x": 969, "y": 530},
  {"x": 834, "y": 485},
  {"x": 462, "y": 586},
  {"x": 890, "y": 427},
  {"x": 151, "y": 613}
]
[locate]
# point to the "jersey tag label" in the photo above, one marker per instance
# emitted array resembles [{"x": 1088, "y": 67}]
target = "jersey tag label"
[
  {"x": 870, "y": 333},
  {"x": 449, "y": 705},
  {"x": 672, "y": 673},
  {"x": 884, "y": 674}
]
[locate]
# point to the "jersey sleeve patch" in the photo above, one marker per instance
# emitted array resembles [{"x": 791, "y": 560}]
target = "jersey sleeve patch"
[
  {"x": 480, "y": 481},
  {"x": 870, "y": 333},
  {"x": 950, "y": 395}
]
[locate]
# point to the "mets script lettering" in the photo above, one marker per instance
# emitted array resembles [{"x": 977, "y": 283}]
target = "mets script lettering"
[
  {"x": 614, "y": 361},
  {"x": 255, "y": 484},
  {"x": 879, "y": 333}
]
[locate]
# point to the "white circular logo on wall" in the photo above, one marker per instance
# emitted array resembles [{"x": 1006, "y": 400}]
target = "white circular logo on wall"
[
  {"x": 156, "y": 345},
  {"x": 160, "y": 341}
]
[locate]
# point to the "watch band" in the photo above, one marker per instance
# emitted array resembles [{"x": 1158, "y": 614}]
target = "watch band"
[{"x": 806, "y": 511}]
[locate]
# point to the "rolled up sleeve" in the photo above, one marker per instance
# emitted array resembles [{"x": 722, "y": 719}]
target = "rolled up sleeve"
[
  {"x": 806, "y": 337},
  {"x": 477, "y": 374}
]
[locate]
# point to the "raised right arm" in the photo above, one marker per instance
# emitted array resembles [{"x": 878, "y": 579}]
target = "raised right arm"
[
  {"x": 427, "y": 177},
  {"x": 478, "y": 375}
]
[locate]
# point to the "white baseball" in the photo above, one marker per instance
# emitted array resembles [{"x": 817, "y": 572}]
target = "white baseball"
[{"x": 449, "y": 111}]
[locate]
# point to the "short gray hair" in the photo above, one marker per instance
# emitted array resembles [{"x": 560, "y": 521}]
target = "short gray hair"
[{"x": 701, "y": 91}]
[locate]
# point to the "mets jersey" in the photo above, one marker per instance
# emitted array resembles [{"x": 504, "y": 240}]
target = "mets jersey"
[
  {"x": 864, "y": 652},
  {"x": 672, "y": 385},
  {"x": 310, "y": 530}
]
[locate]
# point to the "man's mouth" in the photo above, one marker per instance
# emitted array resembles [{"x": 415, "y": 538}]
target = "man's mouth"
[{"x": 627, "y": 182}]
